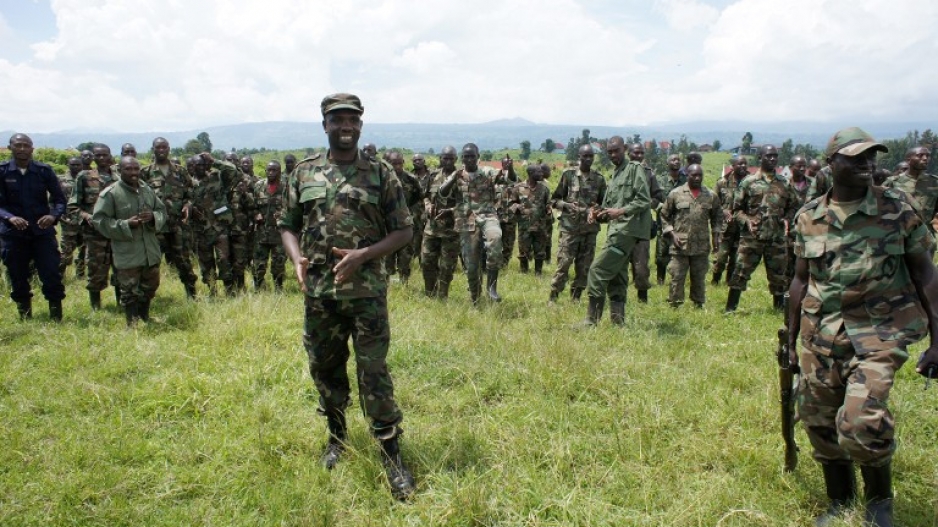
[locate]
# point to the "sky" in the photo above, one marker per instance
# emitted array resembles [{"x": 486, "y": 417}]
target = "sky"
[{"x": 168, "y": 65}]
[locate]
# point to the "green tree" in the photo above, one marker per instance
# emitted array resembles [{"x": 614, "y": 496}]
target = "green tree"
[
  {"x": 717, "y": 145},
  {"x": 548, "y": 146},
  {"x": 205, "y": 141},
  {"x": 786, "y": 152},
  {"x": 570, "y": 153},
  {"x": 193, "y": 146},
  {"x": 87, "y": 145},
  {"x": 486, "y": 155},
  {"x": 525, "y": 150},
  {"x": 746, "y": 143}
]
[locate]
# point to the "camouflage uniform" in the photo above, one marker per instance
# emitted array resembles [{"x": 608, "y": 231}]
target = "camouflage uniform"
[
  {"x": 507, "y": 220},
  {"x": 801, "y": 192},
  {"x": 350, "y": 206},
  {"x": 820, "y": 184},
  {"x": 174, "y": 188},
  {"x": 440, "y": 249},
  {"x": 70, "y": 227},
  {"x": 419, "y": 215},
  {"x": 923, "y": 192},
  {"x": 399, "y": 261},
  {"x": 729, "y": 240},
  {"x": 211, "y": 221},
  {"x": 663, "y": 244},
  {"x": 241, "y": 232},
  {"x": 88, "y": 186},
  {"x": 532, "y": 212},
  {"x": 577, "y": 237},
  {"x": 766, "y": 201},
  {"x": 859, "y": 314},
  {"x": 688, "y": 219},
  {"x": 641, "y": 253},
  {"x": 269, "y": 203}
]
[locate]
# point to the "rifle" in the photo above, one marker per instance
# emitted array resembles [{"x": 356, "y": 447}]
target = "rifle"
[{"x": 787, "y": 383}]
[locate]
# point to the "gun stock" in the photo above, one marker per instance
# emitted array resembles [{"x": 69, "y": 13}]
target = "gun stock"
[{"x": 786, "y": 377}]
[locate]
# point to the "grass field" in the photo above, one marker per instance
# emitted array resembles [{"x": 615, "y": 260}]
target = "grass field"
[{"x": 206, "y": 416}]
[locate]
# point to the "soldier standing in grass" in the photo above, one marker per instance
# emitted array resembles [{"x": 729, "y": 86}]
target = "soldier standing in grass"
[
  {"x": 532, "y": 207},
  {"x": 919, "y": 185},
  {"x": 399, "y": 261},
  {"x": 351, "y": 213},
  {"x": 579, "y": 190},
  {"x": 212, "y": 217},
  {"x": 641, "y": 253},
  {"x": 691, "y": 218},
  {"x": 440, "y": 249},
  {"x": 422, "y": 173},
  {"x": 864, "y": 289},
  {"x": 268, "y": 198},
  {"x": 507, "y": 220},
  {"x": 70, "y": 228},
  {"x": 729, "y": 241},
  {"x": 669, "y": 181}
]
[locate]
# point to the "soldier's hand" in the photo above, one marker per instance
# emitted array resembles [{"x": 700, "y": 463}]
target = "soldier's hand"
[
  {"x": 146, "y": 216},
  {"x": 46, "y": 221},
  {"x": 301, "y": 267},
  {"x": 185, "y": 214},
  {"x": 928, "y": 363},
  {"x": 351, "y": 260},
  {"x": 86, "y": 217},
  {"x": 677, "y": 242},
  {"x": 134, "y": 221},
  {"x": 793, "y": 357},
  {"x": 18, "y": 223},
  {"x": 259, "y": 218},
  {"x": 207, "y": 157},
  {"x": 752, "y": 226}
]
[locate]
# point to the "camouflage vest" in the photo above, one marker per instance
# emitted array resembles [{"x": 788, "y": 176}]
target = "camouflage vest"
[
  {"x": 88, "y": 186},
  {"x": 535, "y": 206},
  {"x": 210, "y": 208},
  {"x": 443, "y": 223},
  {"x": 174, "y": 189},
  {"x": 241, "y": 200},
  {"x": 477, "y": 197},
  {"x": 270, "y": 206},
  {"x": 585, "y": 192},
  {"x": 68, "y": 187}
]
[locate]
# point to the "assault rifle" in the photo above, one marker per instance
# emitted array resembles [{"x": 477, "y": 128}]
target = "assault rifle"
[{"x": 786, "y": 380}]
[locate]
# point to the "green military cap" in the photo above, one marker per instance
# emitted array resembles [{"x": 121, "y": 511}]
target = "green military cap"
[
  {"x": 341, "y": 101},
  {"x": 852, "y": 141}
]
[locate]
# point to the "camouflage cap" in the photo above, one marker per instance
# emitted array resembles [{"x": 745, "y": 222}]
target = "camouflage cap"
[
  {"x": 341, "y": 101},
  {"x": 852, "y": 141}
]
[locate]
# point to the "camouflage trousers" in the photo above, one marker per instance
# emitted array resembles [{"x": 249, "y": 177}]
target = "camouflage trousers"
[
  {"x": 663, "y": 253},
  {"x": 99, "y": 259},
  {"x": 751, "y": 252},
  {"x": 399, "y": 261},
  {"x": 214, "y": 258},
  {"x": 609, "y": 274},
  {"x": 532, "y": 244},
  {"x": 275, "y": 253},
  {"x": 577, "y": 250},
  {"x": 240, "y": 249},
  {"x": 137, "y": 284},
  {"x": 641, "y": 273},
  {"x": 487, "y": 238},
  {"x": 843, "y": 403},
  {"x": 416, "y": 243},
  {"x": 678, "y": 267},
  {"x": 175, "y": 247},
  {"x": 71, "y": 241},
  {"x": 438, "y": 257},
  {"x": 509, "y": 235},
  {"x": 550, "y": 237},
  {"x": 328, "y": 325},
  {"x": 728, "y": 250}
]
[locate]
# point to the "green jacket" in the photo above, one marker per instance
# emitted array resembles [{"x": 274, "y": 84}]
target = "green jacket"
[
  {"x": 131, "y": 247},
  {"x": 628, "y": 189}
]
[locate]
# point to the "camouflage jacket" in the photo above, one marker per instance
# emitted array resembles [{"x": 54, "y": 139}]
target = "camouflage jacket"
[
  {"x": 859, "y": 287},
  {"x": 211, "y": 209},
  {"x": 442, "y": 209},
  {"x": 820, "y": 184},
  {"x": 241, "y": 200},
  {"x": 581, "y": 191},
  {"x": 534, "y": 206},
  {"x": 688, "y": 219},
  {"x": 130, "y": 246},
  {"x": 413, "y": 195},
  {"x": 628, "y": 189},
  {"x": 505, "y": 196},
  {"x": 725, "y": 189},
  {"x": 766, "y": 201},
  {"x": 270, "y": 206},
  {"x": 68, "y": 221},
  {"x": 88, "y": 186},
  {"x": 923, "y": 192},
  {"x": 345, "y": 207},
  {"x": 476, "y": 196},
  {"x": 801, "y": 191},
  {"x": 667, "y": 184},
  {"x": 174, "y": 188}
]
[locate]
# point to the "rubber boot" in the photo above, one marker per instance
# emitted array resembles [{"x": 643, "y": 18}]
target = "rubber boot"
[
  {"x": 617, "y": 312},
  {"x": 278, "y": 284},
  {"x": 95, "y": 298},
  {"x": 55, "y": 310},
  {"x": 732, "y": 300},
  {"x": 190, "y": 291},
  {"x": 429, "y": 284},
  {"x": 538, "y": 267},
  {"x": 130, "y": 311},
  {"x": 258, "y": 284},
  {"x": 877, "y": 483},
  {"x": 553, "y": 298},
  {"x": 643, "y": 296},
  {"x": 493, "y": 285},
  {"x": 442, "y": 290},
  {"x": 338, "y": 434},
  {"x": 25, "y": 309},
  {"x": 399, "y": 477},
  {"x": 716, "y": 278},
  {"x": 404, "y": 276},
  {"x": 594, "y": 311},
  {"x": 778, "y": 302},
  {"x": 230, "y": 288},
  {"x": 841, "y": 483},
  {"x": 117, "y": 295},
  {"x": 575, "y": 294},
  {"x": 660, "y": 270},
  {"x": 143, "y": 310},
  {"x": 524, "y": 264}
]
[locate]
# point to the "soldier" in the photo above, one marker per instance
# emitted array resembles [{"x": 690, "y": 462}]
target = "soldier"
[
  {"x": 507, "y": 220},
  {"x": 128, "y": 149},
  {"x": 765, "y": 205},
  {"x": 352, "y": 214},
  {"x": 476, "y": 220},
  {"x": 729, "y": 241},
  {"x": 173, "y": 186},
  {"x": 241, "y": 233},
  {"x": 579, "y": 190},
  {"x": 820, "y": 184},
  {"x": 691, "y": 218},
  {"x": 31, "y": 201},
  {"x": 864, "y": 289},
  {"x": 371, "y": 151},
  {"x": 669, "y": 181},
  {"x": 814, "y": 166},
  {"x": 399, "y": 261},
  {"x": 920, "y": 186},
  {"x": 801, "y": 185},
  {"x": 549, "y": 224},
  {"x": 88, "y": 186},
  {"x": 422, "y": 173},
  {"x": 289, "y": 163},
  {"x": 627, "y": 208},
  {"x": 87, "y": 159},
  {"x": 532, "y": 206},
  {"x": 440, "y": 249},
  {"x": 641, "y": 253},
  {"x": 268, "y": 198},
  {"x": 215, "y": 183},
  {"x": 130, "y": 214},
  {"x": 901, "y": 167},
  {"x": 70, "y": 229}
]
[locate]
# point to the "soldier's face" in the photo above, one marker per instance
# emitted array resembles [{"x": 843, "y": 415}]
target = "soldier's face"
[
  {"x": 86, "y": 158},
  {"x": 22, "y": 148},
  {"x": 506, "y": 164},
  {"x": 129, "y": 150},
  {"x": 273, "y": 171},
  {"x": 813, "y": 167},
  {"x": 343, "y": 129},
  {"x": 694, "y": 177},
  {"x": 769, "y": 159},
  {"x": 74, "y": 166},
  {"x": 102, "y": 157},
  {"x": 674, "y": 162},
  {"x": 290, "y": 163},
  {"x": 397, "y": 163},
  {"x": 419, "y": 163},
  {"x": 741, "y": 168},
  {"x": 534, "y": 174},
  {"x": 448, "y": 161},
  {"x": 919, "y": 160},
  {"x": 616, "y": 153},
  {"x": 637, "y": 154},
  {"x": 247, "y": 165},
  {"x": 798, "y": 168},
  {"x": 470, "y": 158},
  {"x": 901, "y": 167},
  {"x": 130, "y": 173},
  {"x": 161, "y": 151},
  {"x": 586, "y": 160},
  {"x": 853, "y": 171}
]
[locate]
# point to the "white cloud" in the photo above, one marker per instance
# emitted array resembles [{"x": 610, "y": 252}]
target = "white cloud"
[{"x": 685, "y": 15}]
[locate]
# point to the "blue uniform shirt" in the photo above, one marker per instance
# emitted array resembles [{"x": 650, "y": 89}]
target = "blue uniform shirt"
[{"x": 30, "y": 196}]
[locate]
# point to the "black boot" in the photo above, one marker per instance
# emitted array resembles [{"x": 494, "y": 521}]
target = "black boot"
[
  {"x": 594, "y": 311},
  {"x": 524, "y": 264},
  {"x": 442, "y": 290},
  {"x": 732, "y": 300},
  {"x": 278, "y": 284},
  {"x": 143, "y": 310},
  {"x": 575, "y": 294},
  {"x": 95, "y": 298},
  {"x": 716, "y": 278},
  {"x": 877, "y": 483},
  {"x": 617, "y": 312},
  {"x": 258, "y": 284},
  {"x": 661, "y": 270},
  {"x": 55, "y": 310},
  {"x": 538, "y": 267},
  {"x": 493, "y": 285},
  {"x": 429, "y": 284},
  {"x": 778, "y": 302},
  {"x": 643, "y": 296},
  {"x": 841, "y": 484},
  {"x": 230, "y": 288},
  {"x": 399, "y": 477},
  {"x": 25, "y": 309},
  {"x": 190, "y": 291},
  {"x": 130, "y": 310},
  {"x": 338, "y": 434},
  {"x": 117, "y": 295},
  {"x": 553, "y": 297}
]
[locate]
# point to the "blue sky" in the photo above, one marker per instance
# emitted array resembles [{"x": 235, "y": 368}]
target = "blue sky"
[{"x": 138, "y": 65}]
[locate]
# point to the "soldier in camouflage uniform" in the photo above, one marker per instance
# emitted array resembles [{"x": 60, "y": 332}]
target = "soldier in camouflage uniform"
[
  {"x": 765, "y": 205},
  {"x": 549, "y": 225},
  {"x": 507, "y": 220},
  {"x": 215, "y": 183},
  {"x": 268, "y": 199},
  {"x": 729, "y": 241},
  {"x": 399, "y": 261},
  {"x": 800, "y": 183},
  {"x": 691, "y": 218},
  {"x": 241, "y": 233},
  {"x": 351, "y": 213},
  {"x": 820, "y": 184},
  {"x": 173, "y": 186},
  {"x": 920, "y": 186},
  {"x": 641, "y": 253},
  {"x": 476, "y": 220},
  {"x": 579, "y": 190},
  {"x": 422, "y": 173},
  {"x": 87, "y": 159},
  {"x": 667, "y": 182},
  {"x": 532, "y": 206},
  {"x": 864, "y": 289},
  {"x": 88, "y": 186},
  {"x": 440, "y": 249},
  {"x": 69, "y": 225}
]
